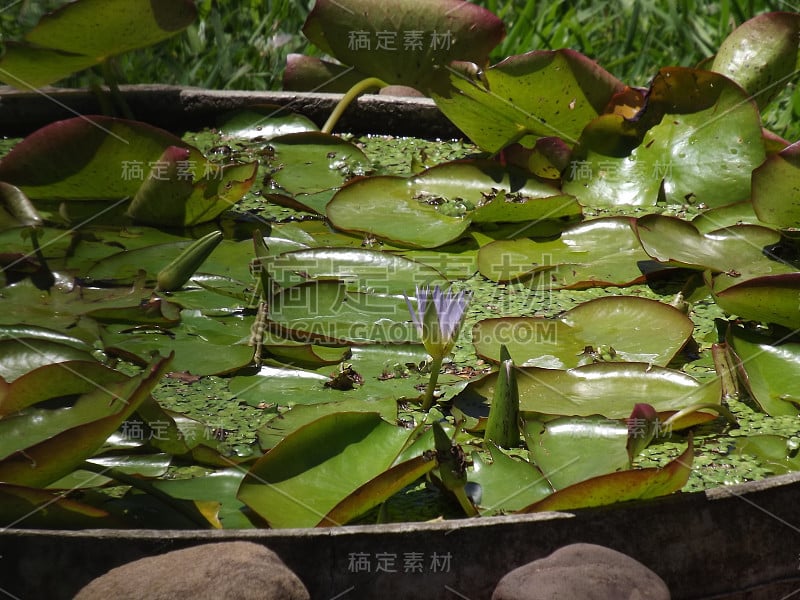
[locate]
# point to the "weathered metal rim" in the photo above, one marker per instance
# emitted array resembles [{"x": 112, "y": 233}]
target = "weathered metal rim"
[
  {"x": 733, "y": 542},
  {"x": 184, "y": 108}
]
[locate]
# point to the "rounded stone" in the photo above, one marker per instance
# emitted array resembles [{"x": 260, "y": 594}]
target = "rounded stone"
[
  {"x": 230, "y": 570},
  {"x": 582, "y": 572}
]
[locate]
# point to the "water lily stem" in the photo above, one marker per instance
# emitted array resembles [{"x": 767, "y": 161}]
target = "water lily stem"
[
  {"x": 355, "y": 91},
  {"x": 429, "y": 399},
  {"x": 107, "y": 68},
  {"x": 150, "y": 489}
]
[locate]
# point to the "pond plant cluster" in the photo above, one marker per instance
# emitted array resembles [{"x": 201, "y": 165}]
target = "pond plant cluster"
[{"x": 615, "y": 268}]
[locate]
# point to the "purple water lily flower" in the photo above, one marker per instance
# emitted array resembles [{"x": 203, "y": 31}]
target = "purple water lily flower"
[{"x": 438, "y": 318}]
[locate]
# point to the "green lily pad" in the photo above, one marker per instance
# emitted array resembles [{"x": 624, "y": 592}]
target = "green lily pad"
[
  {"x": 572, "y": 449},
  {"x": 776, "y": 188},
  {"x": 738, "y": 250},
  {"x": 769, "y": 299},
  {"x": 738, "y": 213},
  {"x": 435, "y": 207},
  {"x": 54, "y": 380},
  {"x": 229, "y": 259},
  {"x": 599, "y": 252},
  {"x": 89, "y": 158},
  {"x": 284, "y": 386},
  {"x": 408, "y": 46},
  {"x": 301, "y": 354},
  {"x": 623, "y": 486},
  {"x": 219, "y": 486},
  {"x": 539, "y": 94},
  {"x": 263, "y": 122},
  {"x": 327, "y": 311},
  {"x": 776, "y": 453},
  {"x": 309, "y": 162},
  {"x": 507, "y": 484},
  {"x": 144, "y": 465},
  {"x": 22, "y": 506},
  {"x": 41, "y": 445},
  {"x": 769, "y": 369},
  {"x": 172, "y": 196},
  {"x": 202, "y": 345},
  {"x": 278, "y": 428},
  {"x": 83, "y": 34},
  {"x": 637, "y": 329},
  {"x": 680, "y": 147},
  {"x": 300, "y": 481},
  {"x": 362, "y": 270},
  {"x": 607, "y": 389},
  {"x": 760, "y": 54},
  {"x": 21, "y": 356}
]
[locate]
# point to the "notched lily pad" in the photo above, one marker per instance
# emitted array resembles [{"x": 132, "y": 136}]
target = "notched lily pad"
[
  {"x": 599, "y": 252},
  {"x": 679, "y": 148},
  {"x": 436, "y": 207},
  {"x": 622, "y": 328}
]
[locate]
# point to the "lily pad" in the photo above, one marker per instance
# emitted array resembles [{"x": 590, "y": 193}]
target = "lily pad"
[
  {"x": 22, "y": 506},
  {"x": 599, "y": 252},
  {"x": 623, "y": 486},
  {"x": 284, "y": 386},
  {"x": 769, "y": 299},
  {"x": 554, "y": 448},
  {"x": 362, "y": 270},
  {"x": 263, "y": 122},
  {"x": 408, "y": 46},
  {"x": 308, "y": 162},
  {"x": 769, "y": 369},
  {"x": 42, "y": 445},
  {"x": 300, "y": 481},
  {"x": 697, "y": 140},
  {"x": 776, "y": 453},
  {"x": 202, "y": 345},
  {"x": 278, "y": 428},
  {"x": 327, "y": 311},
  {"x": 90, "y": 158},
  {"x": 436, "y": 207},
  {"x": 738, "y": 250},
  {"x": 82, "y": 34},
  {"x": 542, "y": 93},
  {"x": 760, "y": 54},
  {"x": 607, "y": 389},
  {"x": 634, "y": 329},
  {"x": 507, "y": 484},
  {"x": 776, "y": 188}
]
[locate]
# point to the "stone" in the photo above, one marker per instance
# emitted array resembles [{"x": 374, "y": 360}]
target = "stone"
[
  {"x": 229, "y": 570},
  {"x": 582, "y": 572}
]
